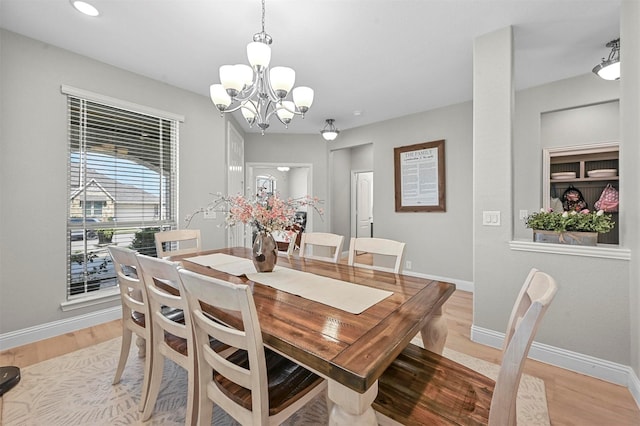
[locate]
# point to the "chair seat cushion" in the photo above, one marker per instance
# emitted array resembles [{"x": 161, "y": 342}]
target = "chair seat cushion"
[
  {"x": 421, "y": 387},
  {"x": 173, "y": 314},
  {"x": 138, "y": 318},
  {"x": 288, "y": 381}
]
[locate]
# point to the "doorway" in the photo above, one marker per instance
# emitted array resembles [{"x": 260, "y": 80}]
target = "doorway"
[
  {"x": 288, "y": 180},
  {"x": 345, "y": 164},
  {"x": 362, "y": 204}
]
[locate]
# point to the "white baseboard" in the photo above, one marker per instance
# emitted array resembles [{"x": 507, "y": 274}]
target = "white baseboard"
[
  {"x": 56, "y": 328},
  {"x": 612, "y": 372},
  {"x": 634, "y": 387},
  {"x": 460, "y": 284}
]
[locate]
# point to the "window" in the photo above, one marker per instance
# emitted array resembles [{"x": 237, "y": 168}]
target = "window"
[
  {"x": 122, "y": 184},
  {"x": 93, "y": 208}
]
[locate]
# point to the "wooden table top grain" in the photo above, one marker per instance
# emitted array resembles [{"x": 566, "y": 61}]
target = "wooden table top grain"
[{"x": 352, "y": 349}]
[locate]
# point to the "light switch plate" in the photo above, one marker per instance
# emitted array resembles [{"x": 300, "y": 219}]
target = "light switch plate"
[{"x": 491, "y": 218}]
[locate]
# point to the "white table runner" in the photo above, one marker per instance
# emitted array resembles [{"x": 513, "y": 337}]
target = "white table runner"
[
  {"x": 231, "y": 265},
  {"x": 349, "y": 297}
]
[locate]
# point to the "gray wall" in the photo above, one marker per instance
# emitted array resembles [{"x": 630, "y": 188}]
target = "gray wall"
[
  {"x": 584, "y": 282},
  {"x": 33, "y": 167},
  {"x": 438, "y": 243},
  {"x": 591, "y": 313},
  {"x": 581, "y": 125},
  {"x": 340, "y": 193},
  {"x": 362, "y": 158},
  {"x": 630, "y": 135},
  {"x": 343, "y": 162},
  {"x": 298, "y": 182}
]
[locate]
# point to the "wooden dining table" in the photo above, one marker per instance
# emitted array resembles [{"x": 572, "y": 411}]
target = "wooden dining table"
[{"x": 350, "y": 350}]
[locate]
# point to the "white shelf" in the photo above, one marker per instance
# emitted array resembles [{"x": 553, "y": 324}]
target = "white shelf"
[{"x": 605, "y": 251}]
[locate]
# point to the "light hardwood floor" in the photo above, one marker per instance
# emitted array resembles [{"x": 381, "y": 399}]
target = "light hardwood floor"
[{"x": 574, "y": 399}]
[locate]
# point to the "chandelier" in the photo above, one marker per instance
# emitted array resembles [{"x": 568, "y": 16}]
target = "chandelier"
[
  {"x": 609, "y": 69},
  {"x": 258, "y": 91}
]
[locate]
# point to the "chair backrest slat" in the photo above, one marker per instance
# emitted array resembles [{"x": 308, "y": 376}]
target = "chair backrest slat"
[
  {"x": 377, "y": 246},
  {"x": 177, "y": 242},
  {"x": 324, "y": 241}
]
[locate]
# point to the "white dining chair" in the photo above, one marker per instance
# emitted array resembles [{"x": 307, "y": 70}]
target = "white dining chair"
[
  {"x": 172, "y": 339},
  {"x": 444, "y": 391},
  {"x": 254, "y": 385},
  {"x": 378, "y": 251},
  {"x": 321, "y": 246},
  {"x": 177, "y": 242},
  {"x": 135, "y": 314}
]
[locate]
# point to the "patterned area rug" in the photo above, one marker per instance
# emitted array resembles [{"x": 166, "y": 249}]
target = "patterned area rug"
[{"x": 76, "y": 389}]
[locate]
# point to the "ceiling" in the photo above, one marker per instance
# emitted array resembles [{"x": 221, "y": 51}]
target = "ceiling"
[{"x": 381, "y": 58}]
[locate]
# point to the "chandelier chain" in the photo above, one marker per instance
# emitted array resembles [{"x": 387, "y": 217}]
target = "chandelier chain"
[{"x": 263, "y": 13}]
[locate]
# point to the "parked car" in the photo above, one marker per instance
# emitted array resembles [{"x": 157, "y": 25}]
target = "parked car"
[{"x": 79, "y": 234}]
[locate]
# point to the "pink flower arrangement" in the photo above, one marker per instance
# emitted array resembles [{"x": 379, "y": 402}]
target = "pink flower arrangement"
[{"x": 266, "y": 212}]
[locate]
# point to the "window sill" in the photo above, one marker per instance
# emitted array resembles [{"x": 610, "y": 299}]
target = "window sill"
[
  {"x": 604, "y": 251},
  {"x": 96, "y": 299}
]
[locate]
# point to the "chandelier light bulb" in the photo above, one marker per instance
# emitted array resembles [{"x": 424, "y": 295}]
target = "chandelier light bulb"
[
  {"x": 245, "y": 73},
  {"x": 303, "y": 98},
  {"x": 329, "y": 132},
  {"x": 330, "y": 135},
  {"x": 282, "y": 80},
  {"x": 259, "y": 55},
  {"x": 286, "y": 112},
  {"x": 249, "y": 112},
  {"x": 219, "y": 97},
  {"x": 609, "y": 71},
  {"x": 231, "y": 80}
]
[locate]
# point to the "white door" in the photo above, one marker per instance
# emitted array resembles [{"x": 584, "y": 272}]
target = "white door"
[
  {"x": 364, "y": 204},
  {"x": 235, "y": 179}
]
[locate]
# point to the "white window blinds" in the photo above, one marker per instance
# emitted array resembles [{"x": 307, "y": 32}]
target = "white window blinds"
[{"x": 122, "y": 186}]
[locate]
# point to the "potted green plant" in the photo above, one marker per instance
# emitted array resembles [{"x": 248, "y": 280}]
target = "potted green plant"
[
  {"x": 105, "y": 236},
  {"x": 576, "y": 228}
]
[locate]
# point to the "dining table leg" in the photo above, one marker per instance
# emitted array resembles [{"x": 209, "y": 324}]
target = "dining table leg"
[
  {"x": 434, "y": 333},
  {"x": 350, "y": 407}
]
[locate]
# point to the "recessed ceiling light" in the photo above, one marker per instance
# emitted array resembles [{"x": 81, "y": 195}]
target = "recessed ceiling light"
[{"x": 84, "y": 7}]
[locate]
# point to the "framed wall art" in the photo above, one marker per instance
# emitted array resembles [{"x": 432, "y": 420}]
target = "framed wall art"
[{"x": 420, "y": 177}]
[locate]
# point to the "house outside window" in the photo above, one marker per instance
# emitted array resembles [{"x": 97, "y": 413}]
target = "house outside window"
[{"x": 122, "y": 184}]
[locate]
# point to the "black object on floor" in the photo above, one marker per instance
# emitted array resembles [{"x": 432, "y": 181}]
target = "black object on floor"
[{"x": 9, "y": 377}]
